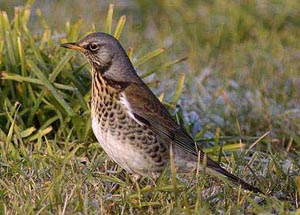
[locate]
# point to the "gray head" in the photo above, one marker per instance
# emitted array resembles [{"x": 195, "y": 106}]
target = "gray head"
[{"x": 106, "y": 56}]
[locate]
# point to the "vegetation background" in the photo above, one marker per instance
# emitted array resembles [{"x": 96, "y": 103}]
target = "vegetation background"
[{"x": 227, "y": 70}]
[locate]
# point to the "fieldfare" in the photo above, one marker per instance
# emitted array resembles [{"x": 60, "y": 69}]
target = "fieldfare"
[{"x": 130, "y": 123}]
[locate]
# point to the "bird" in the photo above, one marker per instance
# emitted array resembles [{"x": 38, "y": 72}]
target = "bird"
[{"x": 132, "y": 126}]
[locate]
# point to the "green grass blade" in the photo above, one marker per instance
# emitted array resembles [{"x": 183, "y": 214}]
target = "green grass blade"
[
  {"x": 4, "y": 23},
  {"x": 50, "y": 87},
  {"x": 27, "y": 132},
  {"x": 74, "y": 31},
  {"x": 109, "y": 19},
  {"x": 41, "y": 18},
  {"x": 10, "y": 49},
  {"x": 40, "y": 133},
  {"x": 19, "y": 78},
  {"x": 179, "y": 89},
  {"x": 119, "y": 27},
  {"x": 173, "y": 173},
  {"x": 130, "y": 53},
  {"x": 35, "y": 51},
  {"x": 160, "y": 67},
  {"x": 21, "y": 56},
  {"x": 60, "y": 66},
  {"x": 2, "y": 136},
  {"x": 46, "y": 39},
  {"x": 148, "y": 56}
]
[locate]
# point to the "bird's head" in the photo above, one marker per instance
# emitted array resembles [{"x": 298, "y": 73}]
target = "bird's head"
[{"x": 103, "y": 52}]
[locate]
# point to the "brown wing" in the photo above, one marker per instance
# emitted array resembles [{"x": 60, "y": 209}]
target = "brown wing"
[{"x": 148, "y": 109}]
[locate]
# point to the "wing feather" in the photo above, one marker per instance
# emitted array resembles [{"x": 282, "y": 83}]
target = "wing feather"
[{"x": 147, "y": 109}]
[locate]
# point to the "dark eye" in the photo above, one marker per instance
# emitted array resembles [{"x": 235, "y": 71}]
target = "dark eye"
[{"x": 93, "y": 47}]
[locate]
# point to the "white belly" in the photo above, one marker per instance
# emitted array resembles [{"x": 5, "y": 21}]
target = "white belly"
[{"x": 124, "y": 154}]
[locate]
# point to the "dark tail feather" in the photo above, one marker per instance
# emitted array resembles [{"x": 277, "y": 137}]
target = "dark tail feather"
[
  {"x": 216, "y": 167},
  {"x": 239, "y": 181}
]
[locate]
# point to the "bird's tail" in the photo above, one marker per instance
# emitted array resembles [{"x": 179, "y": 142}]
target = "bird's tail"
[{"x": 218, "y": 169}]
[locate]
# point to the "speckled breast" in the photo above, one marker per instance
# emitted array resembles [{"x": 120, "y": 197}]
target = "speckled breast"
[{"x": 133, "y": 146}]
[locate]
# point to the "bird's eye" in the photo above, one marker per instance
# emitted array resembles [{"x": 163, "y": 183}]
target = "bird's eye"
[{"x": 93, "y": 47}]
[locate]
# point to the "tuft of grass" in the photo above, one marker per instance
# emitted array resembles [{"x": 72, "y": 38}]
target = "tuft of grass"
[{"x": 50, "y": 161}]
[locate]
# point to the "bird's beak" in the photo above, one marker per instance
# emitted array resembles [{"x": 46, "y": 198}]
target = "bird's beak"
[{"x": 73, "y": 46}]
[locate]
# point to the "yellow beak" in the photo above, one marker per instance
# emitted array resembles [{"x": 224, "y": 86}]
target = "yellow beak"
[{"x": 73, "y": 46}]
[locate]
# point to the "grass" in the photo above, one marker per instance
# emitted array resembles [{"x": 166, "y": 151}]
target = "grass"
[{"x": 229, "y": 74}]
